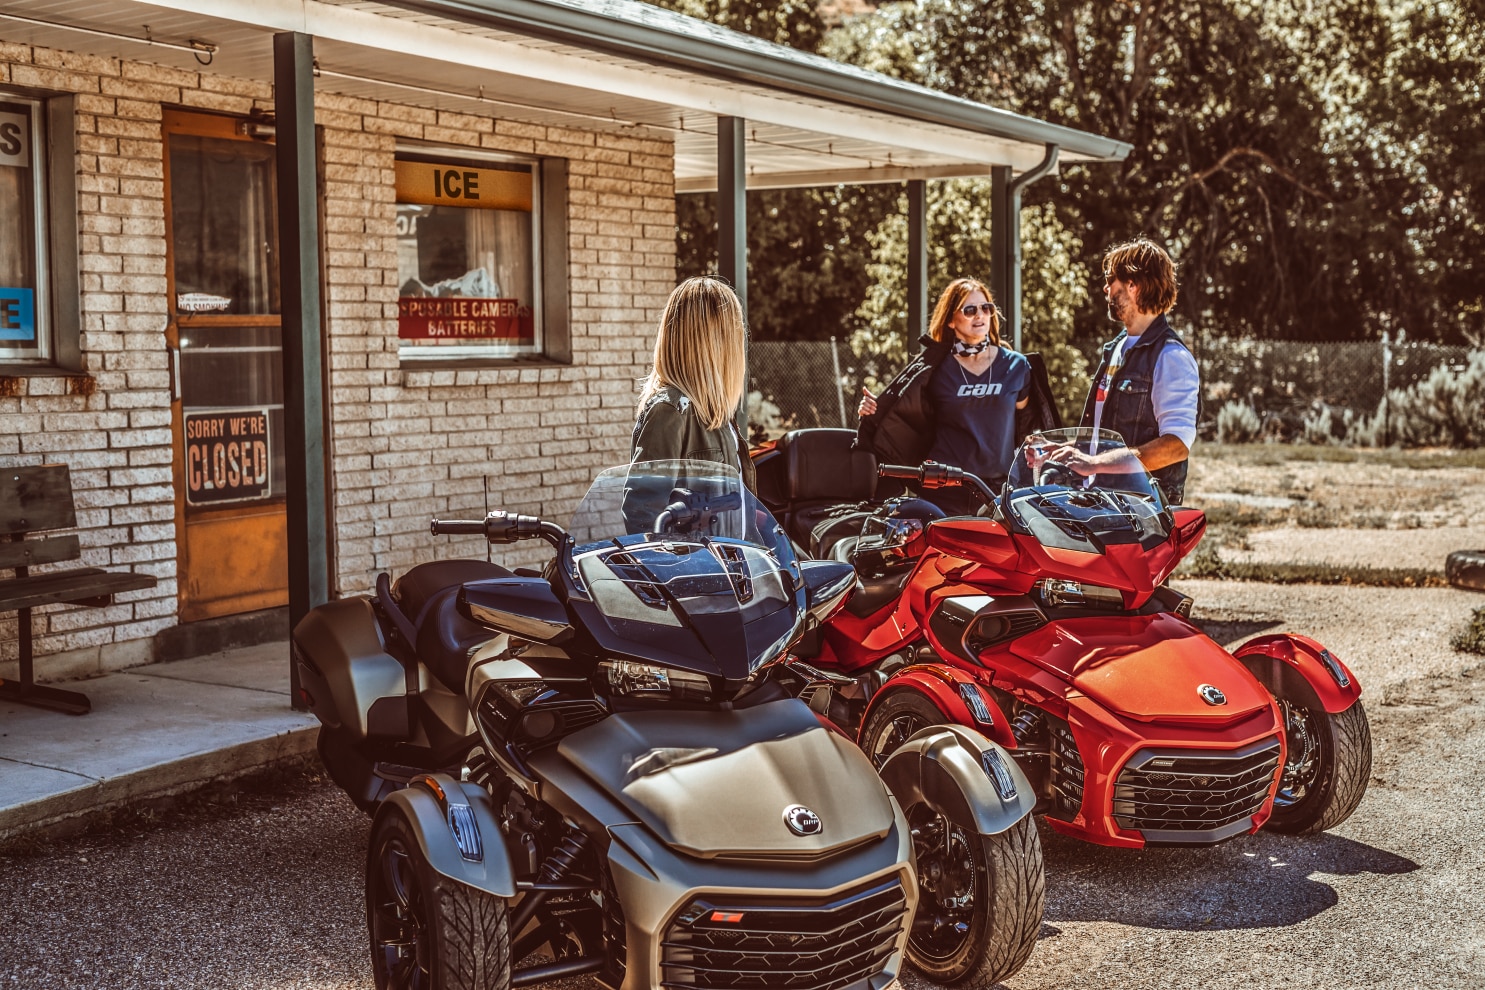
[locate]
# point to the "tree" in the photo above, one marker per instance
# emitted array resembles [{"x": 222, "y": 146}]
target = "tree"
[
  {"x": 958, "y": 246},
  {"x": 1270, "y": 153}
]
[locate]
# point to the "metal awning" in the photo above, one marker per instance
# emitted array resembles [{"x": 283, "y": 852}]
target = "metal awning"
[{"x": 610, "y": 65}]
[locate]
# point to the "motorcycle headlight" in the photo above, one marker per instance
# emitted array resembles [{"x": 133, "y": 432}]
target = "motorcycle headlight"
[
  {"x": 630, "y": 679},
  {"x": 1055, "y": 592}
]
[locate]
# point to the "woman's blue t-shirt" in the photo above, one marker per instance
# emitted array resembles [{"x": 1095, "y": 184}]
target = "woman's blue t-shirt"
[{"x": 976, "y": 414}]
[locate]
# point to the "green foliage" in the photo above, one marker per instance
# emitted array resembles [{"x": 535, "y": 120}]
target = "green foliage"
[
  {"x": 1237, "y": 423},
  {"x": 808, "y": 252},
  {"x": 1315, "y": 168},
  {"x": 795, "y": 23},
  {"x": 959, "y": 246},
  {"x": 1472, "y": 638},
  {"x": 1446, "y": 409}
]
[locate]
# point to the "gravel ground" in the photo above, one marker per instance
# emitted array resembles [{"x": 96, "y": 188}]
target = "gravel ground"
[
  {"x": 1421, "y": 548},
  {"x": 268, "y": 895}
]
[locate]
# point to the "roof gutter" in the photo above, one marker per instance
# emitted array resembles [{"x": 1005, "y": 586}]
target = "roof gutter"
[{"x": 658, "y": 45}]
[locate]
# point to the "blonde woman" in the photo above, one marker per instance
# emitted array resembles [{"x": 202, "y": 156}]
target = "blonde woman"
[
  {"x": 956, "y": 402},
  {"x": 688, "y": 400}
]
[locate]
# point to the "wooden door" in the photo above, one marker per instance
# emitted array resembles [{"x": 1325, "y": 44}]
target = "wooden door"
[{"x": 226, "y": 366}]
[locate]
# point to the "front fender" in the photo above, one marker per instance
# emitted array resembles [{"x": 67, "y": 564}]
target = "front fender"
[
  {"x": 438, "y": 808},
  {"x": 1299, "y": 667},
  {"x": 946, "y": 687},
  {"x": 954, "y": 771}
]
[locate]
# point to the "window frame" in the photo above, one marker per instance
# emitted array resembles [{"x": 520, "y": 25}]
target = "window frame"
[
  {"x": 548, "y": 256},
  {"x": 58, "y": 297}
]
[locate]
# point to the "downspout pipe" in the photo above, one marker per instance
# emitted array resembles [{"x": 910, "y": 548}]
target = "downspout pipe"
[{"x": 1010, "y": 266}]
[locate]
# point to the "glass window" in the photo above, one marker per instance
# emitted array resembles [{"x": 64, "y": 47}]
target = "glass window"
[
  {"x": 222, "y": 214},
  {"x": 24, "y": 328},
  {"x": 467, "y": 259},
  {"x": 223, "y": 253}
]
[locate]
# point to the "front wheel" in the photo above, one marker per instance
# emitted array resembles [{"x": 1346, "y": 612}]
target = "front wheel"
[
  {"x": 429, "y": 932},
  {"x": 980, "y": 897},
  {"x": 1326, "y": 767}
]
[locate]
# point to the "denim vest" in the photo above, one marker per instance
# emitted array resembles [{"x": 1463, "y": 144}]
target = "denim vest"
[{"x": 1129, "y": 410}]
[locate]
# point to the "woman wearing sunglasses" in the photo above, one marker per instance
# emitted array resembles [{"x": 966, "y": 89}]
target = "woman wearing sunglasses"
[{"x": 956, "y": 402}]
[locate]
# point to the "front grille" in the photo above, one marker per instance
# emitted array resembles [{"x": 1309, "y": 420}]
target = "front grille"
[
  {"x": 789, "y": 945},
  {"x": 1067, "y": 770},
  {"x": 1194, "y": 791}
]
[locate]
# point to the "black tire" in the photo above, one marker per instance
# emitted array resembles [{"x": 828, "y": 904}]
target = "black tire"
[
  {"x": 1466, "y": 569},
  {"x": 429, "y": 932},
  {"x": 1002, "y": 875},
  {"x": 1326, "y": 769}
]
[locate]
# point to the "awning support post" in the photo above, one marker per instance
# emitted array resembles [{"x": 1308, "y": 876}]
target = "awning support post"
[
  {"x": 732, "y": 224},
  {"x": 299, "y": 282},
  {"x": 1005, "y": 239},
  {"x": 917, "y": 261}
]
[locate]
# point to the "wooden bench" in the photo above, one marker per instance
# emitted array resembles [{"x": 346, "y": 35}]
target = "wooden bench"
[{"x": 36, "y": 500}]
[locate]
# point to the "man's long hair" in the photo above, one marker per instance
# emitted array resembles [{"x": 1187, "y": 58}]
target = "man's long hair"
[
  {"x": 699, "y": 350},
  {"x": 1145, "y": 265},
  {"x": 949, "y": 302}
]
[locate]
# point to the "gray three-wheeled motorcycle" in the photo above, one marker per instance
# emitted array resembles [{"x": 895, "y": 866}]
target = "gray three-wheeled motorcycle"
[{"x": 602, "y": 768}]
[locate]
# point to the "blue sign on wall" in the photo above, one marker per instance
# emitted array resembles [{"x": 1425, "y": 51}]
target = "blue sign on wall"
[{"x": 17, "y": 316}]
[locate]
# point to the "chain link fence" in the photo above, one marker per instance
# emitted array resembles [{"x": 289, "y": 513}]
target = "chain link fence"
[
  {"x": 806, "y": 383},
  {"x": 1290, "y": 377},
  {"x": 802, "y": 383}
]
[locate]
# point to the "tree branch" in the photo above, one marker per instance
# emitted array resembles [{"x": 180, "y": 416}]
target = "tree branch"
[{"x": 1232, "y": 154}]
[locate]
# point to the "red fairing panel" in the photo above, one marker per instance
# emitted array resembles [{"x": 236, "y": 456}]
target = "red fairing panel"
[
  {"x": 1308, "y": 657},
  {"x": 941, "y": 685},
  {"x": 1146, "y": 667}
]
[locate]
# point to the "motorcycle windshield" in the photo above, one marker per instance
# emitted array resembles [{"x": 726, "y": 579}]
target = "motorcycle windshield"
[
  {"x": 674, "y": 499},
  {"x": 671, "y": 550},
  {"x": 1071, "y": 504}
]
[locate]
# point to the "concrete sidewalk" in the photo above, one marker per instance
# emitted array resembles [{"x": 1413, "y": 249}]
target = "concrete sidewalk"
[{"x": 154, "y": 730}]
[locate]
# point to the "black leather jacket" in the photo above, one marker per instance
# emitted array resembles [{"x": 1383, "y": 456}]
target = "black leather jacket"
[{"x": 902, "y": 429}]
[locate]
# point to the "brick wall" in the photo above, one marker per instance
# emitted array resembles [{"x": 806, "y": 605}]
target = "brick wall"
[
  {"x": 409, "y": 445},
  {"x": 405, "y": 445}
]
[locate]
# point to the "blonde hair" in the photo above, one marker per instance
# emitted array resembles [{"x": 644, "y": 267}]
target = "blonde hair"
[
  {"x": 949, "y": 302},
  {"x": 699, "y": 350}
]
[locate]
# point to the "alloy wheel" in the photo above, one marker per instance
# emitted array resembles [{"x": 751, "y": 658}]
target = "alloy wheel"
[
  {"x": 400, "y": 932},
  {"x": 1302, "y": 760},
  {"x": 947, "y": 868}
]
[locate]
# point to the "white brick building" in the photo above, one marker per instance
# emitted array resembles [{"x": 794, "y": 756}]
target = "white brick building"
[{"x": 139, "y": 190}]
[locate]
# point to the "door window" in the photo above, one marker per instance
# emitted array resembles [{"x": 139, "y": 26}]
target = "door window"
[{"x": 223, "y": 241}]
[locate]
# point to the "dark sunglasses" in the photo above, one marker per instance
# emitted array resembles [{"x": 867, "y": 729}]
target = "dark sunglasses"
[{"x": 972, "y": 309}]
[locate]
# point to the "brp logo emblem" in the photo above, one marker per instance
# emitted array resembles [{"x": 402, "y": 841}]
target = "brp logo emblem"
[
  {"x": 1211, "y": 695},
  {"x": 801, "y": 820}
]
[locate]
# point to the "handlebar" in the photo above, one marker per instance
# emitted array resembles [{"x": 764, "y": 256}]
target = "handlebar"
[
  {"x": 931, "y": 474},
  {"x": 457, "y": 527},
  {"x": 501, "y": 527}
]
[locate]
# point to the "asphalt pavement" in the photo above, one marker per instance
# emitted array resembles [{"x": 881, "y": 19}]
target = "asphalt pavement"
[{"x": 266, "y": 892}]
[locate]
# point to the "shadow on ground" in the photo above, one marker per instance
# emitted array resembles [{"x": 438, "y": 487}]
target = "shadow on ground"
[{"x": 1259, "y": 881}]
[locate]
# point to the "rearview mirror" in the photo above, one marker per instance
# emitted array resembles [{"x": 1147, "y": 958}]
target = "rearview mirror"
[{"x": 827, "y": 584}]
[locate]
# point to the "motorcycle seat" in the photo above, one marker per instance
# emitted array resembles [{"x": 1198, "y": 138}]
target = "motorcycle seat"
[
  {"x": 445, "y": 638},
  {"x": 821, "y": 473},
  {"x": 413, "y": 590},
  {"x": 873, "y": 591}
]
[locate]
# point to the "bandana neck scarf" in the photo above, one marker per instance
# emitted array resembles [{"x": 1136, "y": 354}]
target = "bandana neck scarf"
[{"x": 970, "y": 350}]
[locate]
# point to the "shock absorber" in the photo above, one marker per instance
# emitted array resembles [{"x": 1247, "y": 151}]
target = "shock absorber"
[
  {"x": 554, "y": 870},
  {"x": 1026, "y": 722},
  {"x": 561, "y": 861}
]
